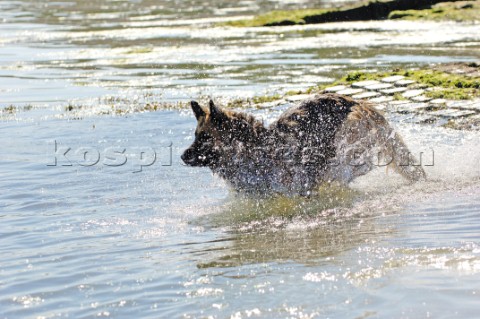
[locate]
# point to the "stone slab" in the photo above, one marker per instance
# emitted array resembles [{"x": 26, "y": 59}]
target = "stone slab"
[
  {"x": 381, "y": 107},
  {"x": 382, "y": 99},
  {"x": 378, "y": 87},
  {"x": 393, "y": 91},
  {"x": 421, "y": 98},
  {"x": 458, "y": 103},
  {"x": 411, "y": 93},
  {"x": 469, "y": 105},
  {"x": 366, "y": 95},
  {"x": 299, "y": 97},
  {"x": 392, "y": 79},
  {"x": 349, "y": 91},
  {"x": 410, "y": 107},
  {"x": 452, "y": 113},
  {"x": 399, "y": 102},
  {"x": 438, "y": 101},
  {"x": 336, "y": 88},
  {"x": 404, "y": 83},
  {"x": 363, "y": 84}
]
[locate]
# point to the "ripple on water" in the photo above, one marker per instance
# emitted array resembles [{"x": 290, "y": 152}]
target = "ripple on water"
[{"x": 170, "y": 242}]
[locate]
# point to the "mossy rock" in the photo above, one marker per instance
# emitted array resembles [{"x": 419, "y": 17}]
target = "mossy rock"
[
  {"x": 369, "y": 10},
  {"x": 276, "y": 18},
  {"x": 445, "y": 11}
]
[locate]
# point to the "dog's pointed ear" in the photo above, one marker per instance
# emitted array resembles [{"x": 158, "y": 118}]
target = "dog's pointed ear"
[
  {"x": 197, "y": 109},
  {"x": 214, "y": 110},
  {"x": 216, "y": 113}
]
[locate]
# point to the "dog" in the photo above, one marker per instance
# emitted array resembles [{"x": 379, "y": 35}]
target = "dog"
[{"x": 326, "y": 138}]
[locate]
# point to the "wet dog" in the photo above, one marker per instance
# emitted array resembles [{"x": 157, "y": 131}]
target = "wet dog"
[{"x": 326, "y": 138}]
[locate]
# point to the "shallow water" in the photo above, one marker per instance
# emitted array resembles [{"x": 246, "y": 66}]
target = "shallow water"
[
  {"x": 84, "y": 237},
  {"x": 71, "y": 52}
]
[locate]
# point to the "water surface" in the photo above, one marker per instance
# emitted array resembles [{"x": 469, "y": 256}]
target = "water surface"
[{"x": 83, "y": 237}]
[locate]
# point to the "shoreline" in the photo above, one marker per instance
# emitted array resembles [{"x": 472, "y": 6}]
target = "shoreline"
[
  {"x": 446, "y": 95},
  {"x": 436, "y": 10}
]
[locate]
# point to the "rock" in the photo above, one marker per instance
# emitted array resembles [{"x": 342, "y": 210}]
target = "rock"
[
  {"x": 421, "y": 98},
  {"x": 298, "y": 97},
  {"x": 438, "y": 101},
  {"x": 366, "y": 95},
  {"x": 363, "y": 84},
  {"x": 378, "y": 87},
  {"x": 425, "y": 119},
  {"x": 410, "y": 107},
  {"x": 381, "y": 107},
  {"x": 334, "y": 89},
  {"x": 392, "y": 91},
  {"x": 452, "y": 113},
  {"x": 468, "y": 105},
  {"x": 411, "y": 93},
  {"x": 461, "y": 104},
  {"x": 382, "y": 99},
  {"x": 349, "y": 91},
  {"x": 399, "y": 102},
  {"x": 392, "y": 79},
  {"x": 404, "y": 82}
]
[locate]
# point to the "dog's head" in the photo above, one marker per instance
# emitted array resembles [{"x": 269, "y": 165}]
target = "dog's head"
[{"x": 209, "y": 136}]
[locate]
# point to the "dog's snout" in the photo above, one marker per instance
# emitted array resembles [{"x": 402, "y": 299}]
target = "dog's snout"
[{"x": 185, "y": 156}]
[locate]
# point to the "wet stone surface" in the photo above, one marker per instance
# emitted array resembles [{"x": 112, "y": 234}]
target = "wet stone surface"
[
  {"x": 412, "y": 93},
  {"x": 404, "y": 83},
  {"x": 399, "y": 95},
  {"x": 366, "y": 95},
  {"x": 363, "y": 84},
  {"x": 421, "y": 98},
  {"x": 379, "y": 87},
  {"x": 335, "y": 89},
  {"x": 350, "y": 91},
  {"x": 393, "y": 79},
  {"x": 393, "y": 91}
]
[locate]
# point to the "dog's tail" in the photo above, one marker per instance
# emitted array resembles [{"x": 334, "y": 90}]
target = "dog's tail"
[{"x": 366, "y": 140}]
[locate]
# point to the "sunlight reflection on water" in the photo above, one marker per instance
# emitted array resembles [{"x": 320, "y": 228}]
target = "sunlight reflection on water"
[{"x": 173, "y": 241}]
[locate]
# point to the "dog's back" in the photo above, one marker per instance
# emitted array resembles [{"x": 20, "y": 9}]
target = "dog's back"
[{"x": 333, "y": 137}]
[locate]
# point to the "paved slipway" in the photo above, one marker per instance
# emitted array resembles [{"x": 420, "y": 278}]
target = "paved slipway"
[
  {"x": 398, "y": 95},
  {"x": 414, "y": 100}
]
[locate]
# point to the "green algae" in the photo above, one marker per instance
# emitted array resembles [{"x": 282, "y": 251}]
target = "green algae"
[
  {"x": 278, "y": 17},
  {"x": 447, "y": 85},
  {"x": 452, "y": 94},
  {"x": 11, "y": 109},
  {"x": 443, "y": 79},
  {"x": 371, "y": 10},
  {"x": 253, "y": 101},
  {"x": 447, "y": 11},
  {"x": 266, "y": 98}
]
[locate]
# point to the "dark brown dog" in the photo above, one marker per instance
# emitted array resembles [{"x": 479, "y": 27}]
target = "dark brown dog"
[{"x": 327, "y": 138}]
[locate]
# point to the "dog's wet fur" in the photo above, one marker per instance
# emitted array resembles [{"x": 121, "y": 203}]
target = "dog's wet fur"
[{"x": 326, "y": 138}]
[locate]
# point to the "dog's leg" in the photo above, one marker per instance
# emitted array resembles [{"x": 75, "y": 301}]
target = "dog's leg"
[
  {"x": 403, "y": 161},
  {"x": 366, "y": 140}
]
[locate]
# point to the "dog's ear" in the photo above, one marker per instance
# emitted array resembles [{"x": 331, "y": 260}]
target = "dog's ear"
[
  {"x": 216, "y": 113},
  {"x": 197, "y": 109}
]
